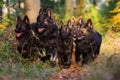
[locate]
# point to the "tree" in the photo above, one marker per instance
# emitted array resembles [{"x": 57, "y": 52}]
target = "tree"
[
  {"x": 5, "y": 8},
  {"x": 32, "y": 8},
  {"x": 69, "y": 8},
  {"x": 1, "y": 4},
  {"x": 80, "y": 7},
  {"x": 116, "y": 18}
]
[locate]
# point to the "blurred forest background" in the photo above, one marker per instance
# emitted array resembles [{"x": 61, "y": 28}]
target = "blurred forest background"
[{"x": 105, "y": 15}]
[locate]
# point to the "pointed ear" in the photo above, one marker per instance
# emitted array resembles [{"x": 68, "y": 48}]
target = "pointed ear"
[
  {"x": 19, "y": 19},
  {"x": 61, "y": 23},
  {"x": 48, "y": 12},
  {"x": 89, "y": 23},
  {"x": 26, "y": 19},
  {"x": 73, "y": 19},
  {"x": 81, "y": 21},
  {"x": 69, "y": 23},
  {"x": 40, "y": 11}
]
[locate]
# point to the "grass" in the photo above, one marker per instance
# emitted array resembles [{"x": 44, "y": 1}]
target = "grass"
[
  {"x": 107, "y": 65},
  {"x": 108, "y": 68}
]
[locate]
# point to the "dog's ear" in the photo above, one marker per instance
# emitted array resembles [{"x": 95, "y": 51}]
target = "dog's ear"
[
  {"x": 73, "y": 19},
  {"x": 19, "y": 19},
  {"x": 89, "y": 23},
  {"x": 69, "y": 23},
  {"x": 26, "y": 19},
  {"x": 80, "y": 20},
  {"x": 40, "y": 11},
  {"x": 61, "y": 23},
  {"x": 48, "y": 12}
]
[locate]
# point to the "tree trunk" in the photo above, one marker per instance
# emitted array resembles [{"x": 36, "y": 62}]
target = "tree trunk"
[
  {"x": 70, "y": 5},
  {"x": 0, "y": 14},
  {"x": 32, "y": 8},
  {"x": 5, "y": 8}
]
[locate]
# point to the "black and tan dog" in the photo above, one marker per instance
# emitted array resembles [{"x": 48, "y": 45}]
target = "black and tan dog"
[
  {"x": 47, "y": 31},
  {"x": 65, "y": 45},
  {"x": 88, "y": 42},
  {"x": 28, "y": 44},
  {"x": 23, "y": 32}
]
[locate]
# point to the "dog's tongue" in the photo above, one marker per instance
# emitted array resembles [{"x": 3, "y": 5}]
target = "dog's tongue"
[
  {"x": 18, "y": 35},
  {"x": 40, "y": 29}
]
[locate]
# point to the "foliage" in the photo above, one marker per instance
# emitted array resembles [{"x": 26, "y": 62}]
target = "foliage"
[
  {"x": 80, "y": 8},
  {"x": 95, "y": 16},
  {"x": 116, "y": 18},
  {"x": 105, "y": 9},
  {"x": 10, "y": 17},
  {"x": 6, "y": 22},
  {"x": 1, "y": 3}
]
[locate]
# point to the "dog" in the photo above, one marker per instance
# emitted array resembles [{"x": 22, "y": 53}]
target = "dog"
[
  {"x": 47, "y": 31},
  {"x": 88, "y": 42},
  {"x": 65, "y": 45},
  {"x": 27, "y": 42},
  {"x": 22, "y": 34}
]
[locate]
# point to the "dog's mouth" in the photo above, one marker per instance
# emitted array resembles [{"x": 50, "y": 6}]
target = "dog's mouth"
[
  {"x": 18, "y": 34},
  {"x": 40, "y": 29},
  {"x": 80, "y": 37},
  {"x": 74, "y": 35}
]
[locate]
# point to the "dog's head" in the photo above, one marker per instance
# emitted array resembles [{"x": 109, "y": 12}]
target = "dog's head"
[
  {"x": 41, "y": 21},
  {"x": 80, "y": 21},
  {"x": 87, "y": 28},
  {"x": 83, "y": 30},
  {"x": 22, "y": 26},
  {"x": 44, "y": 21},
  {"x": 65, "y": 31}
]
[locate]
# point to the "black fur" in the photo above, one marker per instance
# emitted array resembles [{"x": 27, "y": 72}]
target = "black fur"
[
  {"x": 87, "y": 43},
  {"x": 65, "y": 45},
  {"x": 27, "y": 42},
  {"x": 47, "y": 31}
]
